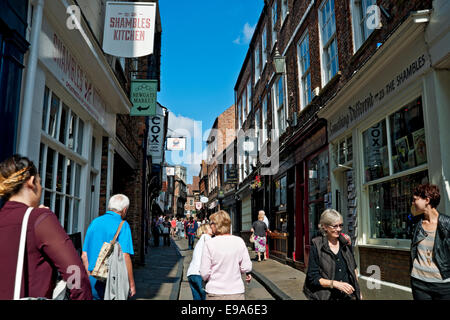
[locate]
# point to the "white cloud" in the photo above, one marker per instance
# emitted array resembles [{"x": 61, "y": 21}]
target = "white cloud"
[{"x": 246, "y": 35}]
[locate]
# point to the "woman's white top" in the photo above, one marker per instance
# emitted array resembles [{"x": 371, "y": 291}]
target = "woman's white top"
[{"x": 194, "y": 267}]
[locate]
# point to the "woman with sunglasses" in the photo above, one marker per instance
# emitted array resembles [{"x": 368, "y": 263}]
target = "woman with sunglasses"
[{"x": 332, "y": 273}]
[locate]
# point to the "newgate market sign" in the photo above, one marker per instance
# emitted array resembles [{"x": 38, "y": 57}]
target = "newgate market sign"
[
  {"x": 129, "y": 29},
  {"x": 359, "y": 109}
]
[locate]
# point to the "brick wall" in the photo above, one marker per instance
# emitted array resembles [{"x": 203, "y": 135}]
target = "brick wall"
[{"x": 394, "y": 264}]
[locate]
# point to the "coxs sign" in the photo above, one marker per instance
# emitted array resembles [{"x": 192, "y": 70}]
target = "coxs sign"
[{"x": 156, "y": 136}]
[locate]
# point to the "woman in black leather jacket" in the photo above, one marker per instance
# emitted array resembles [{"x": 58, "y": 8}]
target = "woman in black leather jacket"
[{"x": 430, "y": 247}]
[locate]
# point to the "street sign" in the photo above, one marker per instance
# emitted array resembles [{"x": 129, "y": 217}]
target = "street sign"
[
  {"x": 204, "y": 199},
  {"x": 232, "y": 176},
  {"x": 143, "y": 97},
  {"x": 198, "y": 205}
]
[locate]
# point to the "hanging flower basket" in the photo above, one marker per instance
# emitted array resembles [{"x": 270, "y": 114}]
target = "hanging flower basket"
[{"x": 256, "y": 183}]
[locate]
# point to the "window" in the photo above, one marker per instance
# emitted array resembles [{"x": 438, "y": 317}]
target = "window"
[
  {"x": 265, "y": 125},
  {"x": 343, "y": 151},
  {"x": 258, "y": 127},
  {"x": 274, "y": 22},
  {"x": 281, "y": 193},
  {"x": 397, "y": 149},
  {"x": 284, "y": 10},
  {"x": 264, "y": 47},
  {"x": 360, "y": 16},
  {"x": 329, "y": 41},
  {"x": 280, "y": 106},
  {"x": 249, "y": 97},
  {"x": 244, "y": 106},
  {"x": 257, "y": 55},
  {"x": 60, "y": 172},
  {"x": 239, "y": 114},
  {"x": 304, "y": 70}
]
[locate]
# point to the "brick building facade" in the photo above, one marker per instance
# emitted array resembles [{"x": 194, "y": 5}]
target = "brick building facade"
[{"x": 331, "y": 54}]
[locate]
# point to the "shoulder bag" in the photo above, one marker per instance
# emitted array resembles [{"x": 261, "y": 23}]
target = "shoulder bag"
[
  {"x": 101, "y": 268},
  {"x": 59, "y": 292}
]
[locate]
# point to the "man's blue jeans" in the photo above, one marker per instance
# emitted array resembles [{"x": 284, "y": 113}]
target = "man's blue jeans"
[
  {"x": 191, "y": 239},
  {"x": 195, "y": 281}
]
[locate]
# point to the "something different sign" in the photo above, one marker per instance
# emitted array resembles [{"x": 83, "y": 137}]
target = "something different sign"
[{"x": 129, "y": 29}]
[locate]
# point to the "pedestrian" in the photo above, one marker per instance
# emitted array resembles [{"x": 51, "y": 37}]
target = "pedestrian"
[
  {"x": 180, "y": 228},
  {"x": 191, "y": 231},
  {"x": 430, "y": 246},
  {"x": 48, "y": 247},
  {"x": 186, "y": 222},
  {"x": 259, "y": 229},
  {"x": 165, "y": 227},
  {"x": 155, "y": 232},
  {"x": 266, "y": 221},
  {"x": 225, "y": 258},
  {"x": 204, "y": 233},
  {"x": 332, "y": 273},
  {"x": 103, "y": 229},
  {"x": 173, "y": 225}
]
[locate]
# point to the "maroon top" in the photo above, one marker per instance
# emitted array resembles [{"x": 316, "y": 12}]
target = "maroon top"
[{"x": 48, "y": 250}]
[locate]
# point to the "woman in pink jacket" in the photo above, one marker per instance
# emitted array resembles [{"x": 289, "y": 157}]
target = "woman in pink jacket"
[{"x": 225, "y": 258}]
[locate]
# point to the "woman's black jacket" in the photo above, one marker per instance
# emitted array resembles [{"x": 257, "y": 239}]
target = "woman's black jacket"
[
  {"x": 441, "y": 249},
  {"x": 321, "y": 264}
]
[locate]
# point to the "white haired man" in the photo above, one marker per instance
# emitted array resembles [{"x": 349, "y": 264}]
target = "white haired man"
[{"x": 103, "y": 229}]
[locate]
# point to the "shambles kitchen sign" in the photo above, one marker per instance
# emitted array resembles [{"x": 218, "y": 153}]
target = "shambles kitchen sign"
[
  {"x": 143, "y": 97},
  {"x": 129, "y": 29},
  {"x": 362, "y": 107}
]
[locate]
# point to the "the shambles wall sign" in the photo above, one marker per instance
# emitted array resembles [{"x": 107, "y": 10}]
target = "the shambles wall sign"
[
  {"x": 143, "y": 97},
  {"x": 129, "y": 29}
]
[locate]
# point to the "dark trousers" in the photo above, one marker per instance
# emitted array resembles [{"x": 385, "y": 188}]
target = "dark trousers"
[
  {"x": 191, "y": 238},
  {"x": 196, "y": 284},
  {"x": 166, "y": 237},
  {"x": 422, "y": 290}
]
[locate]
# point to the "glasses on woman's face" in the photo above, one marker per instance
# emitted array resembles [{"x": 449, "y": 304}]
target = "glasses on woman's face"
[{"x": 334, "y": 227}]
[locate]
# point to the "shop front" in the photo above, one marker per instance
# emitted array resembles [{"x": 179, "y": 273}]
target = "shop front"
[
  {"x": 73, "y": 122},
  {"x": 383, "y": 143}
]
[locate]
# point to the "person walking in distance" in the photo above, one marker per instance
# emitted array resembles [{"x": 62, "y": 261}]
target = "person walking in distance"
[
  {"x": 259, "y": 229},
  {"x": 103, "y": 229},
  {"x": 225, "y": 258},
  {"x": 48, "y": 248},
  {"x": 332, "y": 273},
  {"x": 204, "y": 233},
  {"x": 173, "y": 227},
  {"x": 430, "y": 246},
  {"x": 191, "y": 231},
  {"x": 165, "y": 228}
]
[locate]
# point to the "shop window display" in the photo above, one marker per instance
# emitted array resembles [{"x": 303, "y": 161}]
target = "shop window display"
[
  {"x": 390, "y": 201},
  {"x": 390, "y": 204},
  {"x": 376, "y": 158},
  {"x": 408, "y": 137}
]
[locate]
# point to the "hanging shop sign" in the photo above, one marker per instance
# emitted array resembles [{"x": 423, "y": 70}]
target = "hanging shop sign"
[
  {"x": 170, "y": 171},
  {"x": 143, "y": 97},
  {"x": 198, "y": 205},
  {"x": 176, "y": 144},
  {"x": 156, "y": 130},
  {"x": 129, "y": 29}
]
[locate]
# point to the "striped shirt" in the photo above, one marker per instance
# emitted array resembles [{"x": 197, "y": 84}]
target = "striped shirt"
[{"x": 424, "y": 267}]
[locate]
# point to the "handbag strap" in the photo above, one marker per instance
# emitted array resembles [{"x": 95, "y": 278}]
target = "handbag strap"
[
  {"x": 21, "y": 254},
  {"x": 117, "y": 233}
]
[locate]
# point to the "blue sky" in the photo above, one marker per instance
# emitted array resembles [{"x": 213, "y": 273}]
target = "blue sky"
[{"x": 204, "y": 44}]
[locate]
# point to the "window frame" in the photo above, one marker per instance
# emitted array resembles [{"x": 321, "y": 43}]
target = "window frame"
[
  {"x": 304, "y": 74},
  {"x": 326, "y": 61}
]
